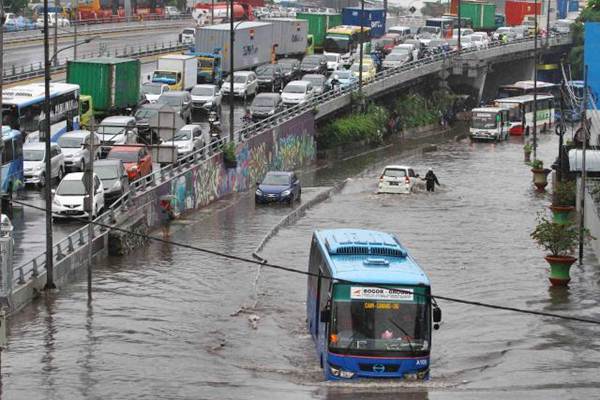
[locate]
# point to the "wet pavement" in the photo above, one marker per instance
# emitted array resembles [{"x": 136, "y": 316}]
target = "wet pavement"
[{"x": 168, "y": 322}]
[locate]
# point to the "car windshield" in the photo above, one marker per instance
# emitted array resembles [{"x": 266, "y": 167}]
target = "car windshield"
[
  {"x": 400, "y": 51},
  {"x": 237, "y": 79},
  {"x": 125, "y": 156},
  {"x": 331, "y": 57},
  {"x": 482, "y": 120},
  {"x": 263, "y": 102},
  {"x": 396, "y": 57},
  {"x": 151, "y": 89},
  {"x": 105, "y": 172},
  {"x": 286, "y": 67},
  {"x": 265, "y": 70},
  {"x": 183, "y": 134},
  {"x": 276, "y": 180},
  {"x": 394, "y": 172},
  {"x": 343, "y": 75},
  {"x": 169, "y": 76},
  {"x": 145, "y": 113},
  {"x": 203, "y": 91},
  {"x": 110, "y": 130},
  {"x": 294, "y": 89},
  {"x": 311, "y": 61},
  {"x": 33, "y": 155},
  {"x": 71, "y": 188},
  {"x": 314, "y": 80},
  {"x": 189, "y": 32},
  {"x": 377, "y": 322},
  {"x": 70, "y": 142},
  {"x": 173, "y": 101},
  {"x": 429, "y": 29}
]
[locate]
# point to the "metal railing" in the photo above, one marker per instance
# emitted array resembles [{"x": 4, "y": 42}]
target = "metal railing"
[{"x": 79, "y": 238}]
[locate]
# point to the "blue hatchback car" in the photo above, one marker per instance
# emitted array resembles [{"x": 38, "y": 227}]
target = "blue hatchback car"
[{"x": 278, "y": 187}]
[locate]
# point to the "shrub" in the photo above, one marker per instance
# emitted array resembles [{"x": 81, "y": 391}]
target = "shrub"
[
  {"x": 565, "y": 194},
  {"x": 368, "y": 126},
  {"x": 559, "y": 239},
  {"x": 537, "y": 164},
  {"x": 229, "y": 153}
]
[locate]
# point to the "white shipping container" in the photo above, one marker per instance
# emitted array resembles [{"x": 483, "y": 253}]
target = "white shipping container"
[
  {"x": 290, "y": 35},
  {"x": 253, "y": 43}
]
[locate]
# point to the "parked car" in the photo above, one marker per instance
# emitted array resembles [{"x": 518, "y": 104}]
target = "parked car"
[
  {"x": 152, "y": 90},
  {"x": 315, "y": 64},
  {"x": 114, "y": 179},
  {"x": 181, "y": 101},
  {"x": 265, "y": 104},
  {"x": 397, "y": 179},
  {"x": 270, "y": 77},
  {"x": 76, "y": 153},
  {"x": 334, "y": 61},
  {"x": 207, "y": 97},
  {"x": 244, "y": 84},
  {"x": 290, "y": 68},
  {"x": 116, "y": 130},
  {"x": 136, "y": 159},
  {"x": 278, "y": 187},
  {"x": 296, "y": 92},
  {"x": 345, "y": 78},
  {"x": 188, "y": 139},
  {"x": 70, "y": 194},
  {"x": 317, "y": 81},
  {"x": 34, "y": 163}
]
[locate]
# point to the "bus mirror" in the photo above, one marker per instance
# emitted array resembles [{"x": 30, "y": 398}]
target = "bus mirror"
[
  {"x": 325, "y": 315},
  {"x": 437, "y": 317}
]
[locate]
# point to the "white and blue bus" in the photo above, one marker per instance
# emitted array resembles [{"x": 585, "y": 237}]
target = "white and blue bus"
[
  {"x": 11, "y": 176},
  {"x": 369, "y": 306},
  {"x": 22, "y": 109}
]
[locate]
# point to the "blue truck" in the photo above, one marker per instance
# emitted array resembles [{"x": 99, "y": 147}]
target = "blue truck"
[{"x": 373, "y": 18}]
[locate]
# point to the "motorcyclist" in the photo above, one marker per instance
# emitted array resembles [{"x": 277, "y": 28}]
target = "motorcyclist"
[
  {"x": 335, "y": 82},
  {"x": 247, "y": 118}
]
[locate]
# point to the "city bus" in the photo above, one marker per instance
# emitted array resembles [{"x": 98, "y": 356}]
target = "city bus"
[
  {"x": 368, "y": 307},
  {"x": 11, "y": 175},
  {"x": 489, "y": 123},
  {"x": 521, "y": 112},
  {"x": 346, "y": 40},
  {"x": 522, "y": 88},
  {"x": 22, "y": 109}
]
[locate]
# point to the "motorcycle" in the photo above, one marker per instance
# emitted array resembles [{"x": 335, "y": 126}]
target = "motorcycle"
[{"x": 214, "y": 130}]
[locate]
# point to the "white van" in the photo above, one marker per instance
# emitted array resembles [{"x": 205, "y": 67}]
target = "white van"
[{"x": 403, "y": 31}]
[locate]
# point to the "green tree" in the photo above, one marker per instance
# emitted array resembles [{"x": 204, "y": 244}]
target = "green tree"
[
  {"x": 591, "y": 13},
  {"x": 16, "y": 6}
]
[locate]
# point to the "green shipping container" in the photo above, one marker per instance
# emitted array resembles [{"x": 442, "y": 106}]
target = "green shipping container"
[
  {"x": 483, "y": 15},
  {"x": 318, "y": 23},
  {"x": 113, "y": 83}
]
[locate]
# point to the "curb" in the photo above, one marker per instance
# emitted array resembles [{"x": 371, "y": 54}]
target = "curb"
[{"x": 295, "y": 215}]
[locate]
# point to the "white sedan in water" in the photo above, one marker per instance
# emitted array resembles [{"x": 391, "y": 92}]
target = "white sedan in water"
[{"x": 397, "y": 179}]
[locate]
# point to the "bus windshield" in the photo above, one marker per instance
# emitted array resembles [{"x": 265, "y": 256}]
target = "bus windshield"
[
  {"x": 377, "y": 325},
  {"x": 337, "y": 44},
  {"x": 483, "y": 120}
]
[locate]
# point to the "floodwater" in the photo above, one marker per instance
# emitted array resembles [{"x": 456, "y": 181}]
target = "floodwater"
[{"x": 173, "y": 323}]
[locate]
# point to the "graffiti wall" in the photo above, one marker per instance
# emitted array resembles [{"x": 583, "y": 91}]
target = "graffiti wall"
[{"x": 287, "y": 147}]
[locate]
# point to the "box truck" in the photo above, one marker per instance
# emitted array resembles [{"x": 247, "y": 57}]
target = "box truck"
[
  {"x": 113, "y": 84},
  {"x": 373, "y": 18},
  {"x": 290, "y": 35},
  {"x": 253, "y": 44},
  {"x": 318, "y": 24},
  {"x": 179, "y": 71}
]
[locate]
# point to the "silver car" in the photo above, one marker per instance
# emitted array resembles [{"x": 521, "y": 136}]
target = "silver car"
[
  {"x": 207, "y": 97},
  {"x": 76, "y": 154}
]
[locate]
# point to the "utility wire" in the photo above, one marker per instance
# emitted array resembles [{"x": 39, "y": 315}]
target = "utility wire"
[{"x": 316, "y": 275}]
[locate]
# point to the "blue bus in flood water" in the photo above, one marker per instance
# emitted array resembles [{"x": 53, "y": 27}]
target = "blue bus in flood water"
[
  {"x": 369, "y": 308},
  {"x": 11, "y": 175}
]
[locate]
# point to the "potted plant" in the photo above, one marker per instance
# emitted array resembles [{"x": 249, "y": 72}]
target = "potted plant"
[
  {"x": 229, "y": 159},
  {"x": 560, "y": 240},
  {"x": 563, "y": 203},
  {"x": 540, "y": 175},
  {"x": 527, "y": 148}
]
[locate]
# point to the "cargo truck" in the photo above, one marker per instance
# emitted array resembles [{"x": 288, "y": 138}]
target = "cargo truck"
[
  {"x": 209, "y": 66},
  {"x": 318, "y": 24},
  {"x": 373, "y": 18},
  {"x": 179, "y": 71},
  {"x": 108, "y": 86},
  {"x": 290, "y": 35},
  {"x": 253, "y": 44},
  {"x": 515, "y": 11},
  {"x": 482, "y": 15}
]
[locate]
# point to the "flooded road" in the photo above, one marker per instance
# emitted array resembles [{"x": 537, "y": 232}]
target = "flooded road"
[{"x": 173, "y": 323}]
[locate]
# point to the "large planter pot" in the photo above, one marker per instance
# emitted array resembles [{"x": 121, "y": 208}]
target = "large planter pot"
[
  {"x": 559, "y": 269},
  {"x": 562, "y": 214},
  {"x": 540, "y": 178},
  {"x": 527, "y": 155}
]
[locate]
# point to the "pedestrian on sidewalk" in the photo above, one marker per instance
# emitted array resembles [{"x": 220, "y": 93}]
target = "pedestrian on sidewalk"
[{"x": 431, "y": 180}]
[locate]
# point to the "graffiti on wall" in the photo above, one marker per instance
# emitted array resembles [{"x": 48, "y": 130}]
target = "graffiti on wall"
[{"x": 287, "y": 147}]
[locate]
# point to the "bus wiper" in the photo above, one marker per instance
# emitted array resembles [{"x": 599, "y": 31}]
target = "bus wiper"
[
  {"x": 406, "y": 335},
  {"x": 352, "y": 340}
]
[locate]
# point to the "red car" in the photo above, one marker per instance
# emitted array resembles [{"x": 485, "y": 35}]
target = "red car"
[{"x": 136, "y": 159}]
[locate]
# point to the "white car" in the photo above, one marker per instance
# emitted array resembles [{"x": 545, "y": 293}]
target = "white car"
[
  {"x": 397, "y": 58},
  {"x": 70, "y": 194},
  {"x": 397, "y": 179},
  {"x": 34, "y": 163},
  {"x": 296, "y": 92},
  {"x": 152, "y": 90},
  {"x": 245, "y": 84},
  {"x": 480, "y": 40},
  {"x": 187, "y": 36},
  {"x": 207, "y": 97},
  {"x": 334, "y": 61},
  {"x": 52, "y": 18},
  {"x": 76, "y": 154},
  {"x": 188, "y": 139},
  {"x": 116, "y": 130}
]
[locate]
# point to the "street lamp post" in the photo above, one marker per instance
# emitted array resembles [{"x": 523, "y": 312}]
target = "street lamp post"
[
  {"x": 231, "y": 52},
  {"x": 535, "y": 77},
  {"x": 458, "y": 12},
  {"x": 360, "y": 52}
]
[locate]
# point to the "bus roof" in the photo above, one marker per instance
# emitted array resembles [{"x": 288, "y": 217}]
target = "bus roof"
[
  {"x": 33, "y": 92},
  {"x": 347, "y": 29},
  {"x": 488, "y": 109},
  {"x": 529, "y": 85},
  {"x": 523, "y": 99},
  {"x": 365, "y": 256}
]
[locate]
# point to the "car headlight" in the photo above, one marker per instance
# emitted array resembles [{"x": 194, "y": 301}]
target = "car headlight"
[
  {"x": 37, "y": 168},
  {"x": 286, "y": 192},
  {"x": 56, "y": 202},
  {"x": 117, "y": 185},
  {"x": 208, "y": 103}
]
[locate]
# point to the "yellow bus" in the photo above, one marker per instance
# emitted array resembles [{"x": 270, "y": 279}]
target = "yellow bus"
[{"x": 346, "y": 40}]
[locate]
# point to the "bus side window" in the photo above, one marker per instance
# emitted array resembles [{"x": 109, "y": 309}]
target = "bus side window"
[
  {"x": 7, "y": 153},
  {"x": 18, "y": 147}
]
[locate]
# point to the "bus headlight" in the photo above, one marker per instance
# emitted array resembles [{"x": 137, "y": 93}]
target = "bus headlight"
[
  {"x": 410, "y": 377},
  {"x": 338, "y": 372}
]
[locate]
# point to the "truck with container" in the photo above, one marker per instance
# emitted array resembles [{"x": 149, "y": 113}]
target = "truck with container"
[
  {"x": 179, "y": 71},
  {"x": 108, "y": 86},
  {"x": 373, "y": 18},
  {"x": 253, "y": 44},
  {"x": 318, "y": 24},
  {"x": 209, "y": 66},
  {"x": 289, "y": 36}
]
